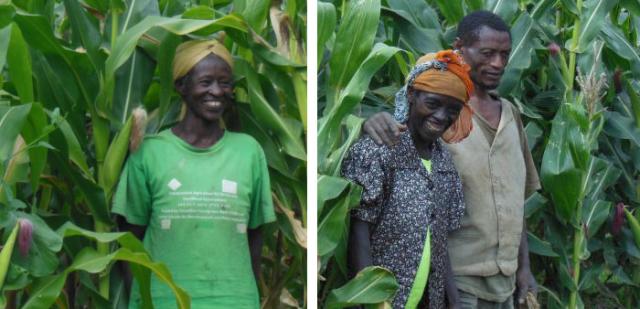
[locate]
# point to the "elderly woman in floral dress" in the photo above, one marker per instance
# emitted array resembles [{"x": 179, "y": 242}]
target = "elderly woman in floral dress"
[{"x": 412, "y": 191}]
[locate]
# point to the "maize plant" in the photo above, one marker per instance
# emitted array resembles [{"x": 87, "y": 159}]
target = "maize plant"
[
  {"x": 573, "y": 73},
  {"x": 76, "y": 78}
]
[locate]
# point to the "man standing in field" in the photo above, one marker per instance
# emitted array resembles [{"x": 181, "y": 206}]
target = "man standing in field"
[{"x": 489, "y": 253}]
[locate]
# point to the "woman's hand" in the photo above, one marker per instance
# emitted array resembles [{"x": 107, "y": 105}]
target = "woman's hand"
[{"x": 453, "y": 297}]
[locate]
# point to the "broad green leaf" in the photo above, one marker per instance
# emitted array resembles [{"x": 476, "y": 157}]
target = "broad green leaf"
[
  {"x": 268, "y": 116},
  {"x": 36, "y": 127},
  {"x": 100, "y": 5},
  {"x": 332, "y": 226},
  {"x": 73, "y": 148},
  {"x": 520, "y": 58},
  {"x": 4, "y": 45},
  {"x": 589, "y": 277},
  {"x": 329, "y": 187},
  {"x": 45, "y": 291},
  {"x": 522, "y": 31},
  {"x": 617, "y": 41},
  {"x": 503, "y": 8},
  {"x": 132, "y": 82},
  {"x": 114, "y": 159},
  {"x": 326, "y": 25},
  {"x": 372, "y": 285},
  {"x": 474, "y": 5},
  {"x": 255, "y": 12},
  {"x": 92, "y": 193},
  {"x": 299, "y": 80},
  {"x": 565, "y": 277},
  {"x": 452, "y": 10},
  {"x": 539, "y": 246},
  {"x": 272, "y": 151},
  {"x": 622, "y": 127},
  {"x": 602, "y": 174},
  {"x": 634, "y": 99},
  {"x": 635, "y": 226},
  {"x": 570, "y": 5},
  {"x": 350, "y": 96},
  {"x": 133, "y": 78},
  {"x": 19, "y": 62},
  {"x": 416, "y": 38},
  {"x": 417, "y": 12},
  {"x": 559, "y": 174},
  {"x": 17, "y": 168},
  {"x": 45, "y": 294},
  {"x": 5, "y": 253},
  {"x": 136, "y": 11},
  {"x": 166, "y": 52},
  {"x": 38, "y": 34},
  {"x": 125, "y": 240},
  {"x": 534, "y": 203},
  {"x": 353, "y": 42},
  {"x": 331, "y": 165},
  {"x": 594, "y": 214},
  {"x": 534, "y": 134},
  {"x": 88, "y": 32},
  {"x": 12, "y": 120},
  {"x": 199, "y": 12},
  {"x": 592, "y": 20},
  {"x": 541, "y": 9},
  {"x": 6, "y": 15}
]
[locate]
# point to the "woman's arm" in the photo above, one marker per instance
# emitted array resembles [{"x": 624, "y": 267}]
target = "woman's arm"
[
  {"x": 359, "y": 251},
  {"x": 453, "y": 298},
  {"x": 138, "y": 231},
  {"x": 255, "y": 247}
]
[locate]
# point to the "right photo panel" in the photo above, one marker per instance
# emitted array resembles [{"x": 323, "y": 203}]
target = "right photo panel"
[{"x": 478, "y": 154}]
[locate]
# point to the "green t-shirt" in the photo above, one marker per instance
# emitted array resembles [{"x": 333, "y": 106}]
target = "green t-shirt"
[{"x": 197, "y": 204}]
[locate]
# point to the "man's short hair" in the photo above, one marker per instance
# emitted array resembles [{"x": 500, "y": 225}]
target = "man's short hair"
[{"x": 469, "y": 27}]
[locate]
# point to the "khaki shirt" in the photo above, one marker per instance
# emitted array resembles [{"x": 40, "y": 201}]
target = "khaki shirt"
[{"x": 495, "y": 178}]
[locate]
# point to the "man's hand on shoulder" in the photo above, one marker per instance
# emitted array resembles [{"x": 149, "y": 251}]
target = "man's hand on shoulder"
[{"x": 383, "y": 129}]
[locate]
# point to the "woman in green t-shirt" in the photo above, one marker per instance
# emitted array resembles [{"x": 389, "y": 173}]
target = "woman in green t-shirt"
[{"x": 197, "y": 194}]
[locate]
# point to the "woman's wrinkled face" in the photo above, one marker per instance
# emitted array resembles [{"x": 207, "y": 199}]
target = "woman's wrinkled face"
[
  {"x": 208, "y": 88},
  {"x": 431, "y": 114}
]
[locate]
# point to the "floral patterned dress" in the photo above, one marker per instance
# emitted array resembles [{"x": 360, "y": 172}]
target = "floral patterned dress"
[{"x": 400, "y": 199}]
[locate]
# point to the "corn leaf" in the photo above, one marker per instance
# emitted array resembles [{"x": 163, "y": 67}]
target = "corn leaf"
[
  {"x": 5, "y": 253},
  {"x": 371, "y": 285}
]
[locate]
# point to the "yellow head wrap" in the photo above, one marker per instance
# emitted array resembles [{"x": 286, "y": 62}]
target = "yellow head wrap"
[
  {"x": 454, "y": 82},
  {"x": 188, "y": 54}
]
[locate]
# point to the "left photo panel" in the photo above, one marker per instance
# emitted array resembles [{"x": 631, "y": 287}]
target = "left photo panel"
[{"x": 152, "y": 154}]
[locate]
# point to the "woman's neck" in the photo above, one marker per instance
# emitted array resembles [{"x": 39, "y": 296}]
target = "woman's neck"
[
  {"x": 424, "y": 146},
  {"x": 197, "y": 131}
]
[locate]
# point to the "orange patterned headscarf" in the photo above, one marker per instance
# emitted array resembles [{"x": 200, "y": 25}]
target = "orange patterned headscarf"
[{"x": 446, "y": 73}]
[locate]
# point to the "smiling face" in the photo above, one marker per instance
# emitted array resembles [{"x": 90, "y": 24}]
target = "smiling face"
[
  {"x": 431, "y": 114},
  {"x": 487, "y": 56},
  {"x": 208, "y": 88}
]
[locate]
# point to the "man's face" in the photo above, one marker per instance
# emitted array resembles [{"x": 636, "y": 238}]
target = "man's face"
[
  {"x": 208, "y": 88},
  {"x": 431, "y": 114},
  {"x": 487, "y": 56}
]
